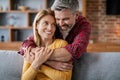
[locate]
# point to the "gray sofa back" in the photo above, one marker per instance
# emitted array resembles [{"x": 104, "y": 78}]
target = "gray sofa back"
[
  {"x": 97, "y": 66},
  {"x": 91, "y": 66}
]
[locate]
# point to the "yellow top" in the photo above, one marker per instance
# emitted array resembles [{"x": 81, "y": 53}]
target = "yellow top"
[{"x": 46, "y": 72}]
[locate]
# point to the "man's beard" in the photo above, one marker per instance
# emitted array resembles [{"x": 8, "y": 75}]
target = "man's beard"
[{"x": 64, "y": 27}]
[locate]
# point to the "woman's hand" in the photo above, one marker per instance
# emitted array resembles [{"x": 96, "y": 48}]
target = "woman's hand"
[
  {"x": 28, "y": 55},
  {"x": 41, "y": 55}
]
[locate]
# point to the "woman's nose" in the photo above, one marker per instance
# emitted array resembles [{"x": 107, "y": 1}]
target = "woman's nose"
[{"x": 49, "y": 27}]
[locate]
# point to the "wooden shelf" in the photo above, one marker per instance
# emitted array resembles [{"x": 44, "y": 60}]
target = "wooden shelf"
[
  {"x": 20, "y": 11},
  {"x": 15, "y": 22},
  {"x": 19, "y": 28}
]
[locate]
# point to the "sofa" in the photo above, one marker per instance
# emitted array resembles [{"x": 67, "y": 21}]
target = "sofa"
[{"x": 91, "y": 66}]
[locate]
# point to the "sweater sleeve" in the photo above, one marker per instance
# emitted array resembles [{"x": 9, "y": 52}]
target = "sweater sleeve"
[{"x": 28, "y": 72}]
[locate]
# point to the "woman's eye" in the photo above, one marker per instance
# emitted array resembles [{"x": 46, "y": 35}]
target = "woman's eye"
[{"x": 46, "y": 23}]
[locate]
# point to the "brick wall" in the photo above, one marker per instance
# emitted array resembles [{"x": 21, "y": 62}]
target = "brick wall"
[{"x": 105, "y": 28}]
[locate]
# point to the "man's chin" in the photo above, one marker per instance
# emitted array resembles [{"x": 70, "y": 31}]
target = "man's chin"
[{"x": 64, "y": 29}]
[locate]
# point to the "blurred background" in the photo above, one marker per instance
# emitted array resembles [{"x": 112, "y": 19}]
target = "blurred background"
[{"x": 16, "y": 17}]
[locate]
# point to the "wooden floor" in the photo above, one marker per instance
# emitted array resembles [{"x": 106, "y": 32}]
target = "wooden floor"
[{"x": 95, "y": 47}]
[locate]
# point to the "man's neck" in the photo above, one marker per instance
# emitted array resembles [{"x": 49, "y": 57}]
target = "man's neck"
[{"x": 65, "y": 33}]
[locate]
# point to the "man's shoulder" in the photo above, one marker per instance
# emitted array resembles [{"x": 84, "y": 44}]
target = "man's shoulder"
[{"x": 31, "y": 37}]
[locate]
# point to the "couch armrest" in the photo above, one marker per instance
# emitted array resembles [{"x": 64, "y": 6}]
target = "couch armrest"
[{"x": 10, "y": 65}]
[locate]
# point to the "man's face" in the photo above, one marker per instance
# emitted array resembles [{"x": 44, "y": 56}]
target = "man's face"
[{"x": 65, "y": 19}]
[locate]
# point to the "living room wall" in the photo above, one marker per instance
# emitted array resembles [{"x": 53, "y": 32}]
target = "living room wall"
[{"x": 105, "y": 28}]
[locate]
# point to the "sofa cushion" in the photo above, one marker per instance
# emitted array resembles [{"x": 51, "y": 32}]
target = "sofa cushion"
[
  {"x": 10, "y": 65},
  {"x": 97, "y": 66},
  {"x": 91, "y": 66}
]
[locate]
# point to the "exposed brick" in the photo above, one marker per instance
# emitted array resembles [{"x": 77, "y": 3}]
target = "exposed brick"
[{"x": 106, "y": 28}]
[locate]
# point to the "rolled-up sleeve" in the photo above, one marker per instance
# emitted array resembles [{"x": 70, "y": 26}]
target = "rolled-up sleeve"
[{"x": 29, "y": 42}]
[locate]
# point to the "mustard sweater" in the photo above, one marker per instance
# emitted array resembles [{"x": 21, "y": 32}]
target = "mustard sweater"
[{"x": 46, "y": 73}]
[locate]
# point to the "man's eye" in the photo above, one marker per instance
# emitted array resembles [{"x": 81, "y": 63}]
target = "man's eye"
[{"x": 66, "y": 19}]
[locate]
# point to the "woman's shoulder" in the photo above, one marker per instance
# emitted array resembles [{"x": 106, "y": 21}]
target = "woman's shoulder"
[
  {"x": 60, "y": 40},
  {"x": 58, "y": 43}
]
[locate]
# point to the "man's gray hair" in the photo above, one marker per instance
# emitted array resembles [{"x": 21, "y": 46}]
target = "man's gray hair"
[{"x": 65, "y": 4}]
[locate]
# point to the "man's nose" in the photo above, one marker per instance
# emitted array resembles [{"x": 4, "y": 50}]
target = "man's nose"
[{"x": 61, "y": 22}]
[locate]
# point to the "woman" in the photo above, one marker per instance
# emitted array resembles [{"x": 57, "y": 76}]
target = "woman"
[{"x": 44, "y": 27}]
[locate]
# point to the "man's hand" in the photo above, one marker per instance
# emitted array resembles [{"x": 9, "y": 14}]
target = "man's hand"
[{"x": 63, "y": 66}]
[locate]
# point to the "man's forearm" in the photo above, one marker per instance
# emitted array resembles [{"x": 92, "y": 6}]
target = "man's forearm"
[{"x": 60, "y": 54}]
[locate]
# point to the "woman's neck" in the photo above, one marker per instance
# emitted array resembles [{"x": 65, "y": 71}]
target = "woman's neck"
[{"x": 46, "y": 42}]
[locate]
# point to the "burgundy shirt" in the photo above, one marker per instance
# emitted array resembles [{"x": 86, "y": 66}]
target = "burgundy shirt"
[{"x": 78, "y": 38}]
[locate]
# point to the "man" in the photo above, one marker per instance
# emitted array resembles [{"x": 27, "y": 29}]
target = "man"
[{"x": 75, "y": 30}]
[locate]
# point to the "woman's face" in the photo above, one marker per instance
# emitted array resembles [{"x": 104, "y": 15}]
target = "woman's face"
[{"x": 46, "y": 27}]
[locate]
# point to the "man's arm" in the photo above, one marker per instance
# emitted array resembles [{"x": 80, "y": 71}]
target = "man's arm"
[
  {"x": 61, "y": 54},
  {"x": 63, "y": 66},
  {"x": 79, "y": 45},
  {"x": 29, "y": 42},
  {"x": 58, "y": 61}
]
